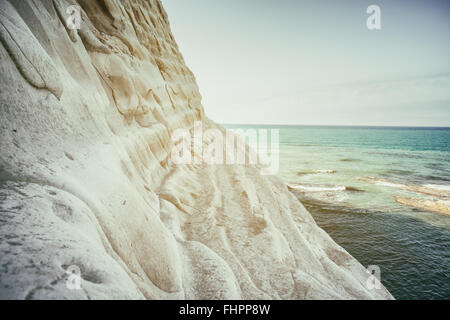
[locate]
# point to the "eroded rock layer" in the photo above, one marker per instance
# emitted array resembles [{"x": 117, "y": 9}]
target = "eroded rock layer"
[{"x": 86, "y": 178}]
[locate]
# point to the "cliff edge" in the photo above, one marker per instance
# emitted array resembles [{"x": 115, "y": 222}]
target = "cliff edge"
[{"x": 86, "y": 177}]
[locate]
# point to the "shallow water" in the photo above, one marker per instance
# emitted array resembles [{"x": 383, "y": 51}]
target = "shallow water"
[{"x": 411, "y": 246}]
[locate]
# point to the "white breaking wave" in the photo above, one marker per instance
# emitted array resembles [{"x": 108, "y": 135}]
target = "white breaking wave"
[
  {"x": 440, "y": 191},
  {"x": 438, "y": 187},
  {"x": 320, "y": 171},
  {"x": 316, "y": 189}
]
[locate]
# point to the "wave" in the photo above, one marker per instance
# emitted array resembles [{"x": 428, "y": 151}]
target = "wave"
[
  {"x": 315, "y": 188},
  {"x": 304, "y": 188},
  {"x": 324, "y": 193},
  {"x": 438, "y": 187},
  {"x": 438, "y": 200},
  {"x": 301, "y": 173},
  {"x": 429, "y": 190}
]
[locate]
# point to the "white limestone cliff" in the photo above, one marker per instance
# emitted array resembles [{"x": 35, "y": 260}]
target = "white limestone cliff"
[{"x": 86, "y": 178}]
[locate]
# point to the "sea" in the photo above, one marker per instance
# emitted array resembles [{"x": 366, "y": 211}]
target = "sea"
[{"x": 349, "y": 179}]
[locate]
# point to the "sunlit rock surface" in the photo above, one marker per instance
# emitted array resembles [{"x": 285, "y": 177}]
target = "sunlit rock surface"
[{"x": 86, "y": 176}]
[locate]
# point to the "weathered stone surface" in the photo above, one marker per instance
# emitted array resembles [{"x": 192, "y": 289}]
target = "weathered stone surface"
[{"x": 86, "y": 179}]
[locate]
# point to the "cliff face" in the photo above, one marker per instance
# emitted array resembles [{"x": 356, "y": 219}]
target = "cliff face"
[{"x": 86, "y": 118}]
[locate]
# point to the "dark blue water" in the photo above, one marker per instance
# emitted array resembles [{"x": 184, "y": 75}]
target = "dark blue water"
[{"x": 413, "y": 255}]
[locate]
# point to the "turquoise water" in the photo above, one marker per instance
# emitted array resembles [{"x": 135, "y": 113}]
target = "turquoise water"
[{"x": 348, "y": 178}]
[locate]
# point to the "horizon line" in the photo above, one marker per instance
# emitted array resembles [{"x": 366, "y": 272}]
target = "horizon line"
[{"x": 336, "y": 125}]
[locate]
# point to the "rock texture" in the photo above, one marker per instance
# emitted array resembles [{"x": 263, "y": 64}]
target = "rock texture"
[{"x": 86, "y": 179}]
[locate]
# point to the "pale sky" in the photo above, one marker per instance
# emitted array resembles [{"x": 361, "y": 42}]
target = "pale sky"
[{"x": 315, "y": 61}]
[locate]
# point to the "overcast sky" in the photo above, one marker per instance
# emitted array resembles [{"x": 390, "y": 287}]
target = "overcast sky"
[{"x": 315, "y": 62}]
